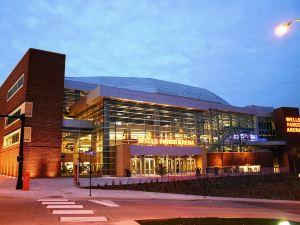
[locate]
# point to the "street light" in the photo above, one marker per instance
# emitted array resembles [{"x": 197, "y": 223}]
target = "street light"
[
  {"x": 283, "y": 28},
  {"x": 90, "y": 153},
  {"x": 21, "y": 149},
  {"x": 284, "y": 223}
]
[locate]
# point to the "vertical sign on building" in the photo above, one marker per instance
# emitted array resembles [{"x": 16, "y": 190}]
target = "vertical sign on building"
[{"x": 292, "y": 124}]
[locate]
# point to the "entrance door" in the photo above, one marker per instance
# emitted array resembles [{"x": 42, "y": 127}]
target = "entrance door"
[
  {"x": 170, "y": 166},
  {"x": 190, "y": 164},
  {"x": 135, "y": 165},
  {"x": 149, "y": 166},
  {"x": 179, "y": 165}
]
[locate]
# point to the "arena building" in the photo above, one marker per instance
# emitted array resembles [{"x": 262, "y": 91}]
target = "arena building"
[{"x": 134, "y": 124}]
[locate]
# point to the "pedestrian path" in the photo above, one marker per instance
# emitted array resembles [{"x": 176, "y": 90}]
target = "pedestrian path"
[
  {"x": 83, "y": 219},
  {"x": 66, "y": 208},
  {"x": 105, "y": 202}
]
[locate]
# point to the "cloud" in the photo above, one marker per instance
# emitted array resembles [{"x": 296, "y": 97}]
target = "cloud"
[{"x": 208, "y": 44}]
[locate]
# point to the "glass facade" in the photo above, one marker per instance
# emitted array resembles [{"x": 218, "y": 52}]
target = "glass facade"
[
  {"x": 266, "y": 127},
  {"x": 116, "y": 122},
  {"x": 70, "y": 97},
  {"x": 127, "y": 120},
  {"x": 228, "y": 132},
  {"x": 74, "y": 146}
]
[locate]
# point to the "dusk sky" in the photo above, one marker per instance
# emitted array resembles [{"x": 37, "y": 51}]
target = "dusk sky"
[{"x": 227, "y": 47}]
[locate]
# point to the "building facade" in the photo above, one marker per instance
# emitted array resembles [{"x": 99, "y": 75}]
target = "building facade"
[{"x": 135, "y": 124}]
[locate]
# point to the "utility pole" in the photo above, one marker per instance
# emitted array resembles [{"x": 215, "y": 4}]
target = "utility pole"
[{"x": 20, "y": 156}]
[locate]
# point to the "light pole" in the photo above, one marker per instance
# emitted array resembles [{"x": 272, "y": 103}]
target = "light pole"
[
  {"x": 90, "y": 153},
  {"x": 283, "y": 28},
  {"x": 20, "y": 156}
]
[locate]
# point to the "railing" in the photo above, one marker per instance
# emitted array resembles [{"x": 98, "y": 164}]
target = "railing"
[{"x": 222, "y": 138}]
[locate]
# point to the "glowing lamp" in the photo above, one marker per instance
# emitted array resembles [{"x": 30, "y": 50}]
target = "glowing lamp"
[
  {"x": 284, "y": 223},
  {"x": 282, "y": 29}
]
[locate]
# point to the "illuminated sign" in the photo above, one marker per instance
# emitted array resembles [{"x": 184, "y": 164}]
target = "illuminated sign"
[
  {"x": 293, "y": 124},
  {"x": 177, "y": 142}
]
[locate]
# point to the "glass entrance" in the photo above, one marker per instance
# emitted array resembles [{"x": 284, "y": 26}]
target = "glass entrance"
[
  {"x": 149, "y": 166},
  {"x": 179, "y": 165},
  {"x": 190, "y": 164},
  {"x": 135, "y": 165},
  {"x": 170, "y": 166}
]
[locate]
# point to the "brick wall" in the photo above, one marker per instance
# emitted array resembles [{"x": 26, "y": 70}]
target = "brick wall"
[
  {"x": 286, "y": 158},
  {"x": 44, "y": 85},
  {"x": 122, "y": 159}
]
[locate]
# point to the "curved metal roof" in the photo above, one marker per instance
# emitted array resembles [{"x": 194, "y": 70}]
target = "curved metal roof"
[{"x": 151, "y": 85}]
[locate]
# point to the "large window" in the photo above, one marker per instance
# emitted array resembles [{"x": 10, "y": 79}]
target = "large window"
[
  {"x": 147, "y": 124},
  {"x": 17, "y": 86},
  {"x": 266, "y": 128},
  {"x": 226, "y": 131},
  {"x": 12, "y": 138},
  {"x": 70, "y": 97},
  {"x": 10, "y": 120},
  {"x": 25, "y": 108}
]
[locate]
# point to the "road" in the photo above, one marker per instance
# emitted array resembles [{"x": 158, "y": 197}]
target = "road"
[
  {"x": 19, "y": 207},
  {"x": 25, "y": 211}
]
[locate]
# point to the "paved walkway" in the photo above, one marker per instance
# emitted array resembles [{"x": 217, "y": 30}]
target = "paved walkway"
[{"x": 52, "y": 187}]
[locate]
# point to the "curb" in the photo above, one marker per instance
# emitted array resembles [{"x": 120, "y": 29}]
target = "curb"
[{"x": 250, "y": 200}]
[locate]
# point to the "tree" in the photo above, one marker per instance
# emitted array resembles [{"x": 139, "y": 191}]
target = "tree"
[{"x": 161, "y": 171}]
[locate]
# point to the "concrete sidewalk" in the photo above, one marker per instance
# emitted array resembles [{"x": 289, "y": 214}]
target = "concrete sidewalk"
[{"x": 63, "y": 187}]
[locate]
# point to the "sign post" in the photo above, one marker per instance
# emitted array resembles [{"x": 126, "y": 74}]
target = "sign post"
[{"x": 90, "y": 153}]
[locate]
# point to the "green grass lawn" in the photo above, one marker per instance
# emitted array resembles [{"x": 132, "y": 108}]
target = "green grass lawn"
[{"x": 214, "y": 221}]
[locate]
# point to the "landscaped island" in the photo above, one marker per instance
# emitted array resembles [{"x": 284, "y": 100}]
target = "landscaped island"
[
  {"x": 214, "y": 221},
  {"x": 267, "y": 186}
]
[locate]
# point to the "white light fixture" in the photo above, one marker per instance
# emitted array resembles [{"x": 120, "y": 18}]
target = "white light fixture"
[
  {"x": 284, "y": 223},
  {"x": 283, "y": 28}
]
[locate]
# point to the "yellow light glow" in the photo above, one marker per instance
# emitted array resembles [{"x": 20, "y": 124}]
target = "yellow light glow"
[
  {"x": 293, "y": 124},
  {"x": 284, "y": 223},
  {"x": 282, "y": 29}
]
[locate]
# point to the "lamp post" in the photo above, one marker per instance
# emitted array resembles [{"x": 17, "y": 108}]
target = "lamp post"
[
  {"x": 90, "y": 153},
  {"x": 283, "y": 28},
  {"x": 20, "y": 156}
]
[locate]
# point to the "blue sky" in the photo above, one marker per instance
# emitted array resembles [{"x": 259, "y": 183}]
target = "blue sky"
[{"x": 227, "y": 47}]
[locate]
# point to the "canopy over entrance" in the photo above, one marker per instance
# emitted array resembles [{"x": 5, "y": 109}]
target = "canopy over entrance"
[{"x": 164, "y": 150}]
